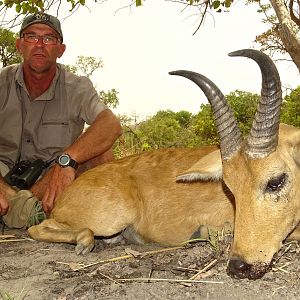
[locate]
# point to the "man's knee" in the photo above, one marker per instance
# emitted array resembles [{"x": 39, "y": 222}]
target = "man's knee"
[{"x": 3, "y": 169}]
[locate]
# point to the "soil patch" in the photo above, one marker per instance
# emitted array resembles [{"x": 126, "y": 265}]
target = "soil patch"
[{"x": 34, "y": 270}]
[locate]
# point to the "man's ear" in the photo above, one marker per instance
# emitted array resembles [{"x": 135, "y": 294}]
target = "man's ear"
[
  {"x": 208, "y": 168},
  {"x": 61, "y": 50},
  {"x": 18, "y": 45}
]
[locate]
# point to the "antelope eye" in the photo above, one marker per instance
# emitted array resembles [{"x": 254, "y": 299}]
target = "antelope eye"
[{"x": 277, "y": 183}]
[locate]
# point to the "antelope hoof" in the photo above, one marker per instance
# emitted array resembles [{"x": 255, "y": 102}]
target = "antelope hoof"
[
  {"x": 85, "y": 242},
  {"x": 82, "y": 249}
]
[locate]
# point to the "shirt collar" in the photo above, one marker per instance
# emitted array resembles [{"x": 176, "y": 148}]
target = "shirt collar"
[{"x": 49, "y": 93}]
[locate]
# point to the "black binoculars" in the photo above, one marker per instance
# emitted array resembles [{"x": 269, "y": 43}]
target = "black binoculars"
[{"x": 24, "y": 174}]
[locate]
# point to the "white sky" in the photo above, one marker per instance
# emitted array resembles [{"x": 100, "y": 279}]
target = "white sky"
[{"x": 140, "y": 46}]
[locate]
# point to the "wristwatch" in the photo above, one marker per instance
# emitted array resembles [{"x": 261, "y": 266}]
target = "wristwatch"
[{"x": 65, "y": 160}]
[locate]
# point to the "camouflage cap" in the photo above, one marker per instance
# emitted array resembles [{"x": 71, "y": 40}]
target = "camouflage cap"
[{"x": 42, "y": 18}]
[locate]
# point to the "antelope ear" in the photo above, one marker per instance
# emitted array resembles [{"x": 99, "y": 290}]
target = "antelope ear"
[
  {"x": 208, "y": 168},
  {"x": 289, "y": 139}
]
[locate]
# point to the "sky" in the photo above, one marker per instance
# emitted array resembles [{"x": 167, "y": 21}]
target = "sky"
[{"x": 139, "y": 46}]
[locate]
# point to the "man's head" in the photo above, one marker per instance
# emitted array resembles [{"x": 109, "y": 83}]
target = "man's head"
[
  {"x": 40, "y": 42},
  {"x": 42, "y": 18}
]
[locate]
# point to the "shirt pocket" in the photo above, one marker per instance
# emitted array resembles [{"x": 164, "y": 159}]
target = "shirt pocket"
[{"x": 54, "y": 134}]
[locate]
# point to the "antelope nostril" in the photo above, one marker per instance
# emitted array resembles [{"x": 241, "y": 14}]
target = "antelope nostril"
[{"x": 237, "y": 267}]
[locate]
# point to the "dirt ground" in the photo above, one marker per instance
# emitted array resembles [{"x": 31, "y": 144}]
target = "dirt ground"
[{"x": 34, "y": 270}]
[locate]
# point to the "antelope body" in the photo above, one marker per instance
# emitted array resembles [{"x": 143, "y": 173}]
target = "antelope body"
[{"x": 165, "y": 196}]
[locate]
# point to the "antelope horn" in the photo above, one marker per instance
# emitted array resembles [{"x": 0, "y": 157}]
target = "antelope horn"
[
  {"x": 229, "y": 133},
  {"x": 263, "y": 137}
]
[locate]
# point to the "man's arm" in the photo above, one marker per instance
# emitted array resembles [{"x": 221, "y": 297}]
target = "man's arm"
[{"x": 95, "y": 141}]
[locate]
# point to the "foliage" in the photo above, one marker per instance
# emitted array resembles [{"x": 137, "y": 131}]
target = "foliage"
[
  {"x": 33, "y": 6},
  {"x": 8, "y": 52},
  {"x": 291, "y": 108},
  {"x": 204, "y": 125},
  {"x": 281, "y": 16},
  {"x": 166, "y": 129},
  {"x": 269, "y": 40},
  {"x": 183, "y": 129},
  {"x": 244, "y": 106},
  {"x": 163, "y": 130},
  {"x": 110, "y": 98},
  {"x": 87, "y": 65}
]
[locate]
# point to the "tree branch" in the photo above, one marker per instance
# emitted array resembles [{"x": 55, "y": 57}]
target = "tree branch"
[{"x": 292, "y": 14}]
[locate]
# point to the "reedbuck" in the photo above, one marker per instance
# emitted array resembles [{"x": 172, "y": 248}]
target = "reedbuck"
[{"x": 165, "y": 196}]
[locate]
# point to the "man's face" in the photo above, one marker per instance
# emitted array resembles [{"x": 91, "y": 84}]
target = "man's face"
[{"x": 38, "y": 56}]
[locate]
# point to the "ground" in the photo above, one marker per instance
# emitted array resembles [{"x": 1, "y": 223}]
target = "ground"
[{"x": 34, "y": 270}]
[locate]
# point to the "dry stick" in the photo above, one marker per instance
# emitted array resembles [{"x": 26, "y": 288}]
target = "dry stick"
[
  {"x": 124, "y": 257},
  {"x": 109, "y": 278},
  {"x": 14, "y": 240},
  {"x": 7, "y": 236},
  {"x": 285, "y": 251},
  {"x": 211, "y": 264},
  {"x": 170, "y": 280},
  {"x": 282, "y": 268}
]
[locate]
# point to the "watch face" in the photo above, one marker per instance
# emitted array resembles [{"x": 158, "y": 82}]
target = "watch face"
[{"x": 64, "y": 160}]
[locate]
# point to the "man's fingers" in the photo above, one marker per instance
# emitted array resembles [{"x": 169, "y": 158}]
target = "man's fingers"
[{"x": 4, "y": 206}]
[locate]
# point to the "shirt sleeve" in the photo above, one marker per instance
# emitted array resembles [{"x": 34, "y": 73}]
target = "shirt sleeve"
[{"x": 85, "y": 101}]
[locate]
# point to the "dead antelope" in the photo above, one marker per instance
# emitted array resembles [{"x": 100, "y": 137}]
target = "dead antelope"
[{"x": 139, "y": 195}]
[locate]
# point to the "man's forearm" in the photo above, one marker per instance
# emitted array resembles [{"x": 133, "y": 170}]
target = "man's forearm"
[
  {"x": 97, "y": 139},
  {"x": 92, "y": 148}
]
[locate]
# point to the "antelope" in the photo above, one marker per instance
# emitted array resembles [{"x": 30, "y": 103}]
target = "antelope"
[{"x": 166, "y": 196}]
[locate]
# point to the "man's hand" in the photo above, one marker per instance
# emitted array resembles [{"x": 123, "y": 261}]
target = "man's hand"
[
  {"x": 59, "y": 179},
  {"x": 3, "y": 205}
]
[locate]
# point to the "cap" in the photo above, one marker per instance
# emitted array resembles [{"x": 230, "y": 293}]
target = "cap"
[{"x": 42, "y": 18}]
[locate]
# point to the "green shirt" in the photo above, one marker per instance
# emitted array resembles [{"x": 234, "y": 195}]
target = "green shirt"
[{"x": 43, "y": 127}]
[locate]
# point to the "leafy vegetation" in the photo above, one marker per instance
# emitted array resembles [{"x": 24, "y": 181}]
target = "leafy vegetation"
[
  {"x": 86, "y": 66},
  {"x": 291, "y": 108},
  {"x": 8, "y": 53},
  {"x": 166, "y": 128}
]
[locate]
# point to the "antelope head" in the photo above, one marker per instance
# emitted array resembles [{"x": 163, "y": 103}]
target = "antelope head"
[{"x": 262, "y": 171}]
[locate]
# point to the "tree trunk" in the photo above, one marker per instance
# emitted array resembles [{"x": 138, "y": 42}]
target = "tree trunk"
[{"x": 287, "y": 31}]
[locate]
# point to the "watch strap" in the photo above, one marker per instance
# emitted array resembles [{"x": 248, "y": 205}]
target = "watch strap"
[{"x": 71, "y": 162}]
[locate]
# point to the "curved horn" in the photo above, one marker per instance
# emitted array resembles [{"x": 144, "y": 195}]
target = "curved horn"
[
  {"x": 263, "y": 137},
  {"x": 229, "y": 133}
]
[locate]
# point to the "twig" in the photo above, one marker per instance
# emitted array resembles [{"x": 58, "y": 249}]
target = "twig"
[
  {"x": 123, "y": 257},
  {"x": 211, "y": 264},
  {"x": 109, "y": 278},
  {"x": 13, "y": 240},
  {"x": 7, "y": 236},
  {"x": 285, "y": 251},
  {"x": 170, "y": 280},
  {"x": 282, "y": 268}
]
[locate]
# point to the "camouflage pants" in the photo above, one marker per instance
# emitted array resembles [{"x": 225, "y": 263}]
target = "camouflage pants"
[{"x": 24, "y": 209}]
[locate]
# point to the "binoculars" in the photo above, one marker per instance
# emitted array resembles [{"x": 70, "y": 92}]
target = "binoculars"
[{"x": 24, "y": 174}]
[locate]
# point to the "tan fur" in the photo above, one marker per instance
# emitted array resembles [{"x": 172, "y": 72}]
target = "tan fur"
[
  {"x": 263, "y": 219},
  {"x": 141, "y": 193}
]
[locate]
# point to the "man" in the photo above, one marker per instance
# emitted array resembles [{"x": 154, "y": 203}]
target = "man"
[{"x": 43, "y": 109}]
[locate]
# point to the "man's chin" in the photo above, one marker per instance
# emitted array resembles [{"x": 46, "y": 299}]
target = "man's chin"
[{"x": 39, "y": 68}]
